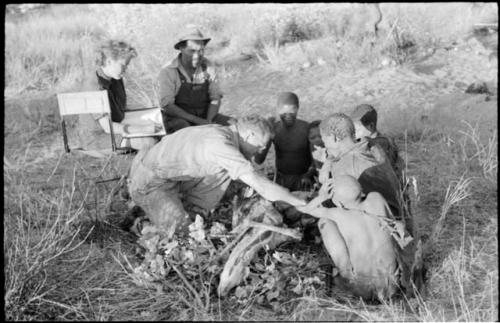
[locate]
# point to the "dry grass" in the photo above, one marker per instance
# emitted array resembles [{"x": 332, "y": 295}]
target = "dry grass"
[
  {"x": 50, "y": 51},
  {"x": 60, "y": 266},
  {"x": 486, "y": 153}
]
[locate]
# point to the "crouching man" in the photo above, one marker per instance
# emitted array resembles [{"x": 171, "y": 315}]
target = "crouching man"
[
  {"x": 359, "y": 242},
  {"x": 192, "y": 168}
]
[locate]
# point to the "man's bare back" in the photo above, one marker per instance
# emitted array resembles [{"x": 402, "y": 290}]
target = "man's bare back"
[{"x": 357, "y": 241}]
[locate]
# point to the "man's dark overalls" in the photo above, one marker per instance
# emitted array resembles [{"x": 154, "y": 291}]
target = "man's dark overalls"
[{"x": 194, "y": 99}]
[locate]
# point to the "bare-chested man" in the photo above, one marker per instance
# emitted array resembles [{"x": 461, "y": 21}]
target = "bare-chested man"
[
  {"x": 364, "y": 118},
  {"x": 356, "y": 239},
  {"x": 293, "y": 158},
  {"x": 368, "y": 164}
]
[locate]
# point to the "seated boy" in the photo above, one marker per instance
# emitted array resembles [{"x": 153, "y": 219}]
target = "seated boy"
[
  {"x": 93, "y": 130},
  {"x": 364, "y": 117},
  {"x": 316, "y": 146},
  {"x": 293, "y": 157},
  {"x": 357, "y": 240}
]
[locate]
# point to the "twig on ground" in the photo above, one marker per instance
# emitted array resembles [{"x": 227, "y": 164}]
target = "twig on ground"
[
  {"x": 114, "y": 190},
  {"x": 285, "y": 231},
  {"x": 186, "y": 282},
  {"x": 55, "y": 168}
]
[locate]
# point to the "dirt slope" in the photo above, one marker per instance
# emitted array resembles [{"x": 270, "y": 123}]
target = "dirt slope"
[{"x": 407, "y": 92}]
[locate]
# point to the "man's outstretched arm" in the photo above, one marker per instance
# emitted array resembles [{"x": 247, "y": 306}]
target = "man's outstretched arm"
[{"x": 269, "y": 190}]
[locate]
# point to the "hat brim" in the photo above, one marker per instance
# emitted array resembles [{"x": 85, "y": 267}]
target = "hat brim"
[{"x": 206, "y": 40}]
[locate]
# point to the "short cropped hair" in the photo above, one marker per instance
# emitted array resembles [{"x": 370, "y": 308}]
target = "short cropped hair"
[
  {"x": 114, "y": 49},
  {"x": 337, "y": 124},
  {"x": 366, "y": 114},
  {"x": 255, "y": 123},
  {"x": 288, "y": 98},
  {"x": 314, "y": 124}
]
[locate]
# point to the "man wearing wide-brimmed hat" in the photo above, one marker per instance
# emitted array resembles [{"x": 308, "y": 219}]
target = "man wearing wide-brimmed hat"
[{"x": 189, "y": 89}]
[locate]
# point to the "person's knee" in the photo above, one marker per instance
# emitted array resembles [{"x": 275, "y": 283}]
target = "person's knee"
[
  {"x": 143, "y": 143},
  {"x": 322, "y": 224}
]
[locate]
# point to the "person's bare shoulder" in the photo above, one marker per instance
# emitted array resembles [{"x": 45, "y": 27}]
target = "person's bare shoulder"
[{"x": 375, "y": 203}]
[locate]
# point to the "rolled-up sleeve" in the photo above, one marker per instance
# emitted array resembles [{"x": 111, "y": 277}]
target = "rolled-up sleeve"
[
  {"x": 214, "y": 90},
  {"x": 169, "y": 86}
]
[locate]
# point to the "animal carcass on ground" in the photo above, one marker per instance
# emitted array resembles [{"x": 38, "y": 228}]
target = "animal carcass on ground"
[{"x": 257, "y": 224}]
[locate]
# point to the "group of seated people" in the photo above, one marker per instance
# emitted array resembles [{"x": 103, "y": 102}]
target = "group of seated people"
[
  {"x": 188, "y": 94},
  {"x": 356, "y": 173}
]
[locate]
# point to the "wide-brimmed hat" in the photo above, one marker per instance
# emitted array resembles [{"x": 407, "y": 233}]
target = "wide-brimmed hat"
[{"x": 191, "y": 33}]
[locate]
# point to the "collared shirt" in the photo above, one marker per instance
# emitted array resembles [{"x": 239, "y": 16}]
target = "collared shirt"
[
  {"x": 195, "y": 152},
  {"x": 170, "y": 81}
]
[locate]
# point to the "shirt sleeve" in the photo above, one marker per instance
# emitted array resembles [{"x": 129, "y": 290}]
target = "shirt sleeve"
[
  {"x": 168, "y": 86},
  {"x": 230, "y": 158},
  {"x": 214, "y": 90}
]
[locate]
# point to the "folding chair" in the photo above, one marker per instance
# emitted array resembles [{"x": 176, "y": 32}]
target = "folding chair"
[{"x": 97, "y": 102}]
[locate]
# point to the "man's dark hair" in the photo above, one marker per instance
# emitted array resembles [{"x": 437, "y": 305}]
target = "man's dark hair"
[
  {"x": 366, "y": 114},
  {"x": 288, "y": 98},
  {"x": 314, "y": 124}
]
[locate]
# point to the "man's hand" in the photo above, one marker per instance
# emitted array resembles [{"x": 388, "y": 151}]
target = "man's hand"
[
  {"x": 200, "y": 121},
  {"x": 319, "y": 154},
  {"x": 269, "y": 190},
  {"x": 326, "y": 190}
]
